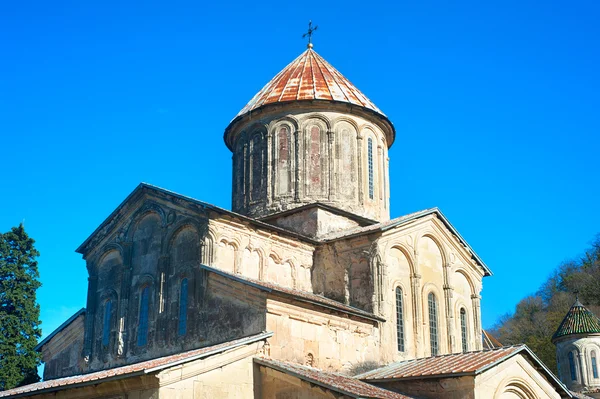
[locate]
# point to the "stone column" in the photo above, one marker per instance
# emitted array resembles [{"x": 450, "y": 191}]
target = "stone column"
[
  {"x": 297, "y": 184},
  {"x": 125, "y": 294},
  {"x": 475, "y": 301},
  {"x": 448, "y": 295},
  {"x": 583, "y": 368},
  {"x": 331, "y": 164},
  {"x": 270, "y": 169},
  {"x": 163, "y": 299},
  {"x": 245, "y": 177},
  {"x": 90, "y": 313},
  {"x": 386, "y": 202},
  {"x": 380, "y": 172},
  {"x": 417, "y": 314}
]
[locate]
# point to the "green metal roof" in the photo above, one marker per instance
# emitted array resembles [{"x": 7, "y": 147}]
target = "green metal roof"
[{"x": 579, "y": 320}]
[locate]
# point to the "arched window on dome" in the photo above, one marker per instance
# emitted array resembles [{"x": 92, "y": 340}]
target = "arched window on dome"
[
  {"x": 594, "y": 364},
  {"x": 572, "y": 367},
  {"x": 433, "y": 323},
  {"x": 370, "y": 167},
  {"x": 463, "y": 329},
  {"x": 142, "y": 331},
  {"x": 183, "y": 304},
  {"x": 106, "y": 322},
  {"x": 399, "y": 320}
]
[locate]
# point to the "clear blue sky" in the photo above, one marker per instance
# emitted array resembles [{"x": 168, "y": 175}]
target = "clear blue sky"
[{"x": 496, "y": 105}]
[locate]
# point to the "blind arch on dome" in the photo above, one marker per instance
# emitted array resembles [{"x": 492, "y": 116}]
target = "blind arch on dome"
[
  {"x": 283, "y": 154},
  {"x": 346, "y": 158},
  {"x": 258, "y": 164},
  {"x": 316, "y": 158}
]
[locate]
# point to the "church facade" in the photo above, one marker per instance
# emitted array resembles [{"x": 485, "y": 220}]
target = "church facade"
[{"x": 307, "y": 289}]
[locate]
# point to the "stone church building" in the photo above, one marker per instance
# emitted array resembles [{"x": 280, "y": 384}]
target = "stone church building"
[{"x": 306, "y": 289}]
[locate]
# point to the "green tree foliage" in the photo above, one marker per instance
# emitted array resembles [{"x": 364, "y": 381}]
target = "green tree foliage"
[
  {"x": 19, "y": 311},
  {"x": 537, "y": 317}
]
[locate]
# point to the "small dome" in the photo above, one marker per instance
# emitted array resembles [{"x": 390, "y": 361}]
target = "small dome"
[
  {"x": 308, "y": 77},
  {"x": 579, "y": 320}
]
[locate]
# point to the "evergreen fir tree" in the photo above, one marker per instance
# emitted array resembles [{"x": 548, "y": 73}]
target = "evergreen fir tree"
[{"x": 19, "y": 311}]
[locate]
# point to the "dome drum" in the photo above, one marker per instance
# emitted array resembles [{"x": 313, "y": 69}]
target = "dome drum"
[{"x": 287, "y": 160}]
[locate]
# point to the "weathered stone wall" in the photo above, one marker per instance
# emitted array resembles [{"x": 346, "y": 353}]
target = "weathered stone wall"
[
  {"x": 62, "y": 354},
  {"x": 241, "y": 249},
  {"x": 417, "y": 259},
  {"x": 324, "y": 339},
  {"x": 514, "y": 378},
  {"x": 314, "y": 222},
  {"x": 151, "y": 261},
  {"x": 288, "y": 158},
  {"x": 402, "y": 267},
  {"x": 227, "y": 375},
  {"x": 273, "y": 384},
  {"x": 343, "y": 272},
  {"x": 447, "y": 388}
]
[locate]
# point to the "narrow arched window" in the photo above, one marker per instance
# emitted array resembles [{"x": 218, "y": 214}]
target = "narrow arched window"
[
  {"x": 142, "y": 333},
  {"x": 463, "y": 329},
  {"x": 183, "y": 296},
  {"x": 106, "y": 323},
  {"x": 370, "y": 166},
  {"x": 572, "y": 367},
  {"x": 433, "y": 324},
  {"x": 399, "y": 320},
  {"x": 594, "y": 365}
]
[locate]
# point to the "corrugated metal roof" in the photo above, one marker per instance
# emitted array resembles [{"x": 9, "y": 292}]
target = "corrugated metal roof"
[
  {"x": 297, "y": 294},
  {"x": 345, "y": 385},
  {"x": 308, "y": 77},
  {"x": 132, "y": 369},
  {"x": 443, "y": 365},
  {"x": 579, "y": 320}
]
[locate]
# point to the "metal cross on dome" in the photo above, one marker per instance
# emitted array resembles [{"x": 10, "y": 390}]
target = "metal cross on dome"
[{"x": 309, "y": 34}]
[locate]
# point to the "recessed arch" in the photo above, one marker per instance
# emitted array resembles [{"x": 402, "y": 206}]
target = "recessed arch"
[
  {"x": 149, "y": 207},
  {"x": 407, "y": 254},
  {"x": 432, "y": 236},
  {"x": 304, "y": 121},
  {"x": 288, "y": 119},
  {"x": 467, "y": 277},
  {"x": 336, "y": 121},
  {"x": 514, "y": 388},
  {"x": 201, "y": 228}
]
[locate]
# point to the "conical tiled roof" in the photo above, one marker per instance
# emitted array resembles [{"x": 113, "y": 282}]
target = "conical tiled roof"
[
  {"x": 309, "y": 77},
  {"x": 579, "y": 320}
]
